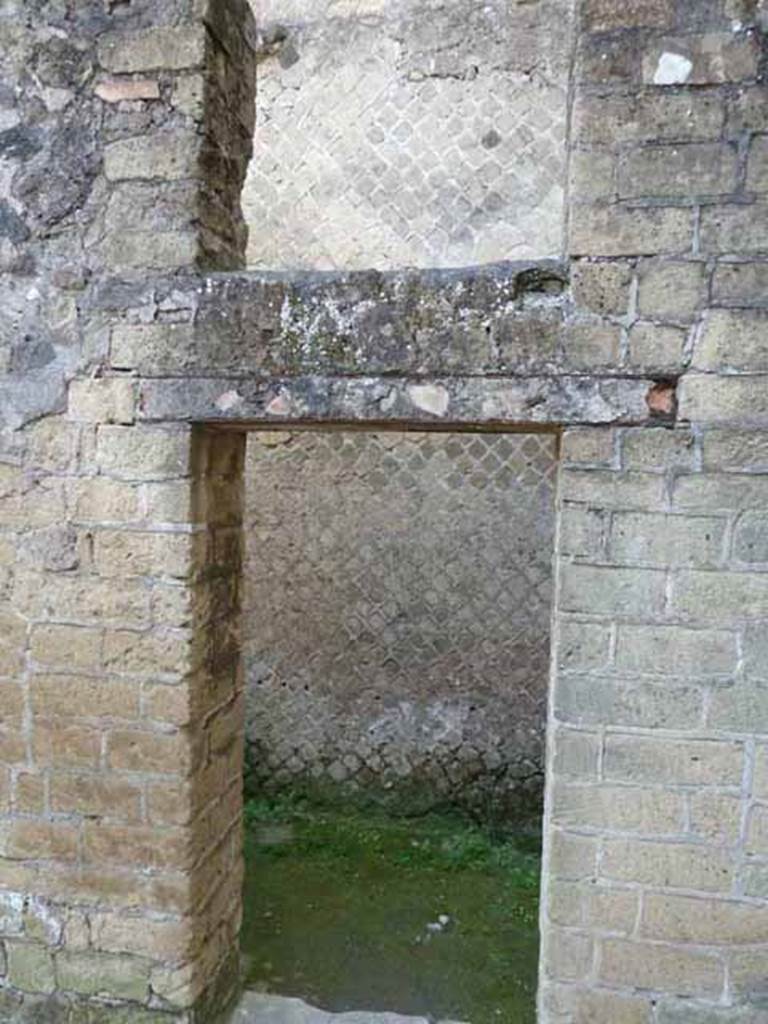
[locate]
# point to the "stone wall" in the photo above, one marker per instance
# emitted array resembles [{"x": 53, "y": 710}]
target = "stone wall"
[
  {"x": 120, "y": 733},
  {"x": 397, "y": 605},
  {"x": 399, "y": 133},
  {"x": 130, "y": 373},
  {"x": 654, "y": 899}
]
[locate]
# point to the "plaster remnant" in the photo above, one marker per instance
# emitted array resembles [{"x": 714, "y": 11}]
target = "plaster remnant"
[
  {"x": 229, "y": 401},
  {"x": 662, "y": 400},
  {"x": 279, "y": 406},
  {"x": 431, "y": 398},
  {"x": 673, "y": 69}
]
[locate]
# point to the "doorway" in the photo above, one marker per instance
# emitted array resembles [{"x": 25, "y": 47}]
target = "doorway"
[{"x": 397, "y": 592}]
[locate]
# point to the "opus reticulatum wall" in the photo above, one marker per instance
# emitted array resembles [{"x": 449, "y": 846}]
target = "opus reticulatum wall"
[
  {"x": 397, "y": 589},
  {"x": 135, "y": 353},
  {"x": 399, "y": 133}
]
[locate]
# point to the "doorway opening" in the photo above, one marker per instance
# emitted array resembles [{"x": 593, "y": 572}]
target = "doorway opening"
[{"x": 396, "y": 618}]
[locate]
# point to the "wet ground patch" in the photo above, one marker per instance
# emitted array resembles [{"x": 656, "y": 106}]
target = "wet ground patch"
[{"x": 432, "y": 916}]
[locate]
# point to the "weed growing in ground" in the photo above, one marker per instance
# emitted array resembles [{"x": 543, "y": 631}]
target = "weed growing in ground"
[{"x": 439, "y": 842}]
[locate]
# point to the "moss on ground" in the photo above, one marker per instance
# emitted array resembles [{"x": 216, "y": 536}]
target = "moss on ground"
[{"x": 433, "y": 915}]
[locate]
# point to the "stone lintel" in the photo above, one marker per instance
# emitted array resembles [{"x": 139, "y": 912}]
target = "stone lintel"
[
  {"x": 446, "y": 402},
  {"x": 495, "y": 319}
]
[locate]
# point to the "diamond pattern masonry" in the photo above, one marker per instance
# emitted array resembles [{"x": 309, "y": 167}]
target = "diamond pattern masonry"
[
  {"x": 397, "y": 623},
  {"x": 381, "y": 145}
]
